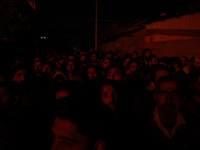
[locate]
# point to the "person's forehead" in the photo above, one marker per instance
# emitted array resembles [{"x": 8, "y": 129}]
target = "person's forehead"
[
  {"x": 162, "y": 72},
  {"x": 38, "y": 63},
  {"x": 64, "y": 124},
  {"x": 107, "y": 88},
  {"x": 91, "y": 69},
  {"x": 66, "y": 128},
  {"x": 114, "y": 70},
  {"x": 133, "y": 64},
  {"x": 171, "y": 85},
  {"x": 70, "y": 62},
  {"x": 148, "y": 52},
  {"x": 154, "y": 58},
  {"x": 22, "y": 71}
]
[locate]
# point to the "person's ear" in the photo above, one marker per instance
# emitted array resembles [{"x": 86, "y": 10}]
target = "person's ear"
[{"x": 100, "y": 145}]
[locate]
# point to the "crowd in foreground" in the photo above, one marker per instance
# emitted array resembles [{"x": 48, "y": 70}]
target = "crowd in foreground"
[{"x": 92, "y": 100}]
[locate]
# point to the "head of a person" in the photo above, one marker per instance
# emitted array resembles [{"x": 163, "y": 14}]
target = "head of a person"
[
  {"x": 133, "y": 66},
  {"x": 37, "y": 65},
  {"x": 152, "y": 60},
  {"x": 47, "y": 68},
  {"x": 196, "y": 63},
  {"x": 176, "y": 64},
  {"x": 127, "y": 58},
  {"x": 135, "y": 55},
  {"x": 71, "y": 65},
  {"x": 116, "y": 73},
  {"x": 109, "y": 94},
  {"x": 83, "y": 58},
  {"x": 106, "y": 63},
  {"x": 146, "y": 53},
  {"x": 77, "y": 126},
  {"x": 19, "y": 73},
  {"x": 92, "y": 73},
  {"x": 93, "y": 56},
  {"x": 185, "y": 60},
  {"x": 169, "y": 96}
]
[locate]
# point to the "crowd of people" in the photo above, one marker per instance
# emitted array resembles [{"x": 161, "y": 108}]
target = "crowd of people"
[{"x": 91, "y": 100}]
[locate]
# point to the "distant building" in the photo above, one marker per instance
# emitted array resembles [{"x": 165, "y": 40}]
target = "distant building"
[{"x": 167, "y": 35}]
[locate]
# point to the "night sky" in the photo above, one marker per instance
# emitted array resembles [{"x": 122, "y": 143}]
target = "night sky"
[{"x": 76, "y": 18}]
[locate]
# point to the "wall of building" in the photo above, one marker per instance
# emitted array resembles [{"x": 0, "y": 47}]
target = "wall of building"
[
  {"x": 133, "y": 42},
  {"x": 175, "y": 37}
]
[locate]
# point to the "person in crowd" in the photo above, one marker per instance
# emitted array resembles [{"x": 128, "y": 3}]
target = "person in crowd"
[
  {"x": 37, "y": 67},
  {"x": 116, "y": 73},
  {"x": 152, "y": 60},
  {"x": 72, "y": 70},
  {"x": 21, "y": 81},
  {"x": 94, "y": 58},
  {"x": 169, "y": 129},
  {"x": 106, "y": 63},
  {"x": 75, "y": 126},
  {"x": 110, "y": 95},
  {"x": 127, "y": 58},
  {"x": 133, "y": 71},
  {"x": 185, "y": 64},
  {"x": 145, "y": 54},
  {"x": 135, "y": 55}
]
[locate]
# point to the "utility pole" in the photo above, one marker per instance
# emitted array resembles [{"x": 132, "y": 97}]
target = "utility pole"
[{"x": 96, "y": 27}]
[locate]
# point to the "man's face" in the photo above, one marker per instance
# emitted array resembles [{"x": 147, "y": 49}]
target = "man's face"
[
  {"x": 183, "y": 60},
  {"x": 105, "y": 63},
  {"x": 37, "y": 66},
  {"x": 168, "y": 98},
  {"x": 126, "y": 62},
  {"x": 133, "y": 67},
  {"x": 19, "y": 76},
  {"x": 82, "y": 58},
  {"x": 154, "y": 61},
  {"x": 70, "y": 66},
  {"x": 134, "y": 56},
  {"x": 147, "y": 54},
  {"x": 114, "y": 74},
  {"x": 109, "y": 96},
  {"x": 66, "y": 136},
  {"x": 92, "y": 74},
  {"x": 93, "y": 57},
  {"x": 46, "y": 68}
]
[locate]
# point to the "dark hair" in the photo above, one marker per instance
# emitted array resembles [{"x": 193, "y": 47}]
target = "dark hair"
[
  {"x": 144, "y": 51},
  {"x": 187, "y": 59}
]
